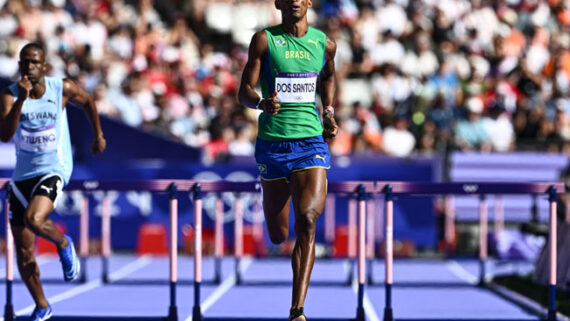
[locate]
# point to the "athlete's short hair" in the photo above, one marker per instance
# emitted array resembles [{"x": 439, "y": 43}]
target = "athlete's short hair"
[{"x": 33, "y": 45}]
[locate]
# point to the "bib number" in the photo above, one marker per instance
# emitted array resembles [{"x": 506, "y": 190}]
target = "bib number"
[
  {"x": 36, "y": 140},
  {"x": 293, "y": 87}
]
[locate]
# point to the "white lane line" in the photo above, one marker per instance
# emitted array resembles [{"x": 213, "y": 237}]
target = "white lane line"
[
  {"x": 369, "y": 310},
  {"x": 120, "y": 273},
  {"x": 461, "y": 272},
  {"x": 228, "y": 283},
  {"x": 130, "y": 268}
]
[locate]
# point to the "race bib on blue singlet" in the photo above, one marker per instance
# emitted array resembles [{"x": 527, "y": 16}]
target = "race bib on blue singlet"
[
  {"x": 296, "y": 87},
  {"x": 37, "y": 140}
]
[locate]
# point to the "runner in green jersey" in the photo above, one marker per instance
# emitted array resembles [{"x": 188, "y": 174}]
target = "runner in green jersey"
[{"x": 291, "y": 153}]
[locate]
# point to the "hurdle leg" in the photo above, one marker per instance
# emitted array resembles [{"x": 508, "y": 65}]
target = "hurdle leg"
[
  {"x": 257, "y": 232},
  {"x": 196, "y": 311},
  {"x": 238, "y": 238},
  {"x": 360, "y": 315},
  {"x": 9, "y": 307},
  {"x": 378, "y": 225},
  {"x": 369, "y": 277},
  {"x": 173, "y": 257},
  {"x": 482, "y": 239},
  {"x": 330, "y": 221},
  {"x": 449, "y": 224},
  {"x": 351, "y": 239},
  {"x": 105, "y": 236},
  {"x": 370, "y": 238},
  {"x": 84, "y": 236},
  {"x": 553, "y": 255},
  {"x": 388, "y": 313},
  {"x": 499, "y": 218},
  {"x": 218, "y": 239}
]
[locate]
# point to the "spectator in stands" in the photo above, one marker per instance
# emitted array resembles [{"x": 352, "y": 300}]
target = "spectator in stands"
[
  {"x": 470, "y": 134},
  {"x": 398, "y": 140},
  {"x": 129, "y": 109},
  {"x": 361, "y": 63},
  {"x": 104, "y": 105},
  {"x": 499, "y": 127},
  {"x": 242, "y": 145}
]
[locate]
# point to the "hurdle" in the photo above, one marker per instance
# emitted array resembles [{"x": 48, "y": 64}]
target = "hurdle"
[
  {"x": 219, "y": 236},
  {"x": 360, "y": 189},
  {"x": 198, "y": 189},
  {"x": 87, "y": 186},
  {"x": 468, "y": 188},
  {"x": 353, "y": 211},
  {"x": 170, "y": 187}
]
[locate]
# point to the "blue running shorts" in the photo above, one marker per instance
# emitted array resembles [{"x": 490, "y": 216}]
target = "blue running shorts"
[{"x": 277, "y": 160}]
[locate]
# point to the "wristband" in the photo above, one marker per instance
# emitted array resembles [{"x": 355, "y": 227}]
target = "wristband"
[
  {"x": 329, "y": 109},
  {"x": 258, "y": 103}
]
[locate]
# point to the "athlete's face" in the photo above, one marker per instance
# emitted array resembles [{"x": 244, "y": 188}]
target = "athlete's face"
[
  {"x": 32, "y": 64},
  {"x": 293, "y": 8}
]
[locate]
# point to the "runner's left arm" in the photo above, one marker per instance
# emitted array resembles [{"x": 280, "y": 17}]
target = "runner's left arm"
[
  {"x": 72, "y": 92},
  {"x": 328, "y": 90}
]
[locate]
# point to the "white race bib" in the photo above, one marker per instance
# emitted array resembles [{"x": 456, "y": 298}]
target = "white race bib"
[
  {"x": 296, "y": 87},
  {"x": 36, "y": 140}
]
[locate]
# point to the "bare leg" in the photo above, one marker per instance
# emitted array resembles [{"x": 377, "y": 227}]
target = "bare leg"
[
  {"x": 276, "y": 200},
  {"x": 27, "y": 265},
  {"x": 37, "y": 220},
  {"x": 309, "y": 193}
]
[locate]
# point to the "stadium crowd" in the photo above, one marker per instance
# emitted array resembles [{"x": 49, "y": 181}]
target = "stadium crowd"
[{"x": 414, "y": 76}]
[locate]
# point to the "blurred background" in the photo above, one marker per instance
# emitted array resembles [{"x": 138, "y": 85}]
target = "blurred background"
[
  {"x": 435, "y": 91},
  {"x": 415, "y": 77}
]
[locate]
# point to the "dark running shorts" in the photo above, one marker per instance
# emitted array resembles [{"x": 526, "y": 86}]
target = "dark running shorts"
[{"x": 23, "y": 191}]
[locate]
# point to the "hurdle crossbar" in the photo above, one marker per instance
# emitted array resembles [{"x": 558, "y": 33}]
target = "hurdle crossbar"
[{"x": 472, "y": 188}]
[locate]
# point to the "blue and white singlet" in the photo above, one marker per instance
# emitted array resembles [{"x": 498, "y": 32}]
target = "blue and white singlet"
[{"x": 43, "y": 145}]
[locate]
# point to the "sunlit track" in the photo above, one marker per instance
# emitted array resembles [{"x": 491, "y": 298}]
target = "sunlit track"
[
  {"x": 367, "y": 304},
  {"x": 117, "y": 275}
]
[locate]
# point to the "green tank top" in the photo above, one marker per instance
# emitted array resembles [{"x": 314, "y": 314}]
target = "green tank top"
[{"x": 291, "y": 67}]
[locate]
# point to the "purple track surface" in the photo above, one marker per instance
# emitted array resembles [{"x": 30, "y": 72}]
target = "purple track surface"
[{"x": 422, "y": 290}]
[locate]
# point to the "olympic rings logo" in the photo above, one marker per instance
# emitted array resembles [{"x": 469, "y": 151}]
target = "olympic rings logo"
[
  {"x": 90, "y": 185},
  {"x": 470, "y": 188},
  {"x": 252, "y": 204}
]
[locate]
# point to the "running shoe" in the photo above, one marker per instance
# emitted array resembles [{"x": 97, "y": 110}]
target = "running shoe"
[
  {"x": 69, "y": 261},
  {"x": 296, "y": 313},
  {"x": 40, "y": 314}
]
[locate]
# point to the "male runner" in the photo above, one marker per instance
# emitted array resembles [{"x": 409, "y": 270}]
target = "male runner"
[
  {"x": 291, "y": 153},
  {"x": 34, "y": 110}
]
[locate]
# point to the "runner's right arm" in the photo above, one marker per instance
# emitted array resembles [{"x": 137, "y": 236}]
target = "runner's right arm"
[
  {"x": 10, "y": 110},
  {"x": 247, "y": 95}
]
